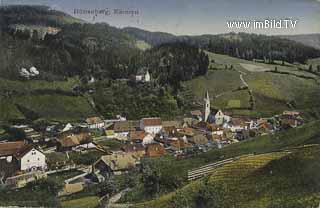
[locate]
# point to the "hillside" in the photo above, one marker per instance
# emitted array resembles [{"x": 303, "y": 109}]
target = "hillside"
[
  {"x": 272, "y": 92},
  {"x": 267, "y": 180},
  {"x": 34, "y": 15},
  {"x": 152, "y": 38},
  {"x": 36, "y": 99},
  {"x": 312, "y": 40},
  {"x": 240, "y": 45}
]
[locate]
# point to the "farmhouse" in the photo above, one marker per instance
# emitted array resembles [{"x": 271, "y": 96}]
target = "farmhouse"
[
  {"x": 114, "y": 164},
  {"x": 238, "y": 124},
  {"x": 123, "y": 128},
  {"x": 189, "y": 132},
  {"x": 169, "y": 131},
  {"x": 151, "y": 125},
  {"x": 141, "y": 77},
  {"x": 20, "y": 156},
  {"x": 179, "y": 146},
  {"x": 69, "y": 140},
  {"x": 198, "y": 140},
  {"x": 136, "y": 136},
  {"x": 137, "y": 150},
  {"x": 95, "y": 123},
  {"x": 155, "y": 150},
  {"x": 215, "y": 129}
]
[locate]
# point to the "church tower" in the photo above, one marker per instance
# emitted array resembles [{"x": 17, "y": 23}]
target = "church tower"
[{"x": 206, "y": 106}]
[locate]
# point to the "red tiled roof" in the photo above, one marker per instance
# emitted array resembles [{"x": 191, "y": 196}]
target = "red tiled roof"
[
  {"x": 238, "y": 122},
  {"x": 213, "y": 127},
  {"x": 10, "y": 148},
  {"x": 151, "y": 121},
  {"x": 17, "y": 149},
  {"x": 137, "y": 135},
  {"x": 180, "y": 144},
  {"x": 187, "y": 131},
  {"x": 155, "y": 150},
  {"x": 133, "y": 148},
  {"x": 23, "y": 150},
  {"x": 74, "y": 140}
]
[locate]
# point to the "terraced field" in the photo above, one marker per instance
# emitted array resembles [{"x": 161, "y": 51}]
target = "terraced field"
[
  {"x": 244, "y": 166},
  {"x": 257, "y": 181}
]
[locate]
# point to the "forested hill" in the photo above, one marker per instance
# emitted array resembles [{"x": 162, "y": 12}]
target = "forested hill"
[
  {"x": 34, "y": 15},
  {"x": 60, "y": 45},
  {"x": 240, "y": 45},
  {"x": 174, "y": 62},
  {"x": 152, "y": 38},
  {"x": 312, "y": 40}
]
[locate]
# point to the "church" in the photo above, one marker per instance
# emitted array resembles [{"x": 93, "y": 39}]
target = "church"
[{"x": 207, "y": 110}]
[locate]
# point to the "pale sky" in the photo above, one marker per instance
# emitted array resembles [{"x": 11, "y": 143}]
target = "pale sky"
[{"x": 194, "y": 17}]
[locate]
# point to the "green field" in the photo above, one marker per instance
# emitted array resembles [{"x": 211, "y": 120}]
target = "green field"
[
  {"x": 30, "y": 85},
  {"x": 85, "y": 202},
  {"x": 34, "y": 99}
]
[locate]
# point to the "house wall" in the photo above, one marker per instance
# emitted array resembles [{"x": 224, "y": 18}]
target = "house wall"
[
  {"x": 152, "y": 129},
  {"x": 33, "y": 159},
  {"x": 147, "y": 140},
  {"x": 96, "y": 126},
  {"x": 121, "y": 134},
  {"x": 237, "y": 128},
  {"x": 219, "y": 132}
]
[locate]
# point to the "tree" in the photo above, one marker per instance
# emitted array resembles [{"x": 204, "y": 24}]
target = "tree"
[
  {"x": 107, "y": 187},
  {"x": 35, "y": 36},
  {"x": 310, "y": 68}
]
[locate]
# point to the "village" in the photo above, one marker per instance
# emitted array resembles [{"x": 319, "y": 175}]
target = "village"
[{"x": 99, "y": 148}]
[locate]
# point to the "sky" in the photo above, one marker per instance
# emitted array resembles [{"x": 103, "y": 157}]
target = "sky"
[{"x": 193, "y": 17}]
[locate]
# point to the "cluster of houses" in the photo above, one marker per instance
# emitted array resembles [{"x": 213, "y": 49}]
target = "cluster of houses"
[{"x": 146, "y": 138}]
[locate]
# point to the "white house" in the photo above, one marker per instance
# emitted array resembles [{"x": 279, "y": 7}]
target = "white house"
[
  {"x": 151, "y": 125},
  {"x": 19, "y": 156},
  {"x": 32, "y": 159},
  {"x": 221, "y": 118},
  {"x": 143, "y": 77}
]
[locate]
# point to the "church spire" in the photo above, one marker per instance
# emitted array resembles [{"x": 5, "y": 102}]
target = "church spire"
[{"x": 206, "y": 107}]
